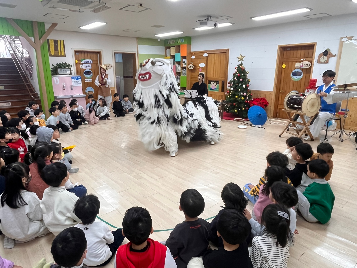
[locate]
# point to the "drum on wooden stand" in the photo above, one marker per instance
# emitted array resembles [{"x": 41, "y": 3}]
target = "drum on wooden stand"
[{"x": 308, "y": 104}]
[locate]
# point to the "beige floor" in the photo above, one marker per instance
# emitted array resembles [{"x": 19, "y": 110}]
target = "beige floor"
[{"x": 114, "y": 166}]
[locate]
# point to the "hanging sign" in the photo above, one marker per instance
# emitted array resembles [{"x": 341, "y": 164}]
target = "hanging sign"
[
  {"x": 88, "y": 73},
  {"x": 86, "y": 61},
  {"x": 76, "y": 81},
  {"x": 86, "y": 66},
  {"x": 296, "y": 75}
]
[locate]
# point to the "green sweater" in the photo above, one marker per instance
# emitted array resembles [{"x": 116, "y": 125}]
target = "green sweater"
[{"x": 321, "y": 199}]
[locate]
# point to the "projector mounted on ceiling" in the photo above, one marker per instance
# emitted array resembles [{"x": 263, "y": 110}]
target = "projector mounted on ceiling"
[{"x": 208, "y": 21}]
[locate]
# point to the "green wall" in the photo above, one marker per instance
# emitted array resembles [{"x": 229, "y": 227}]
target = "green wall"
[{"x": 27, "y": 26}]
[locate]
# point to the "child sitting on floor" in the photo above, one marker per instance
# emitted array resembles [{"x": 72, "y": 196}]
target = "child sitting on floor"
[
  {"x": 283, "y": 194},
  {"x": 17, "y": 142},
  {"x": 128, "y": 107},
  {"x": 317, "y": 201},
  {"x": 20, "y": 212},
  {"x": 118, "y": 109},
  {"x": 103, "y": 110},
  {"x": 76, "y": 116},
  {"x": 4, "y": 137},
  {"x": 40, "y": 117},
  {"x": 233, "y": 229},
  {"x": 189, "y": 239},
  {"x": 69, "y": 249},
  {"x": 65, "y": 118},
  {"x": 57, "y": 203},
  {"x": 23, "y": 115},
  {"x": 91, "y": 108},
  {"x": 272, "y": 174},
  {"x": 141, "y": 251},
  {"x": 233, "y": 198},
  {"x": 54, "y": 120},
  {"x": 9, "y": 156},
  {"x": 301, "y": 153},
  {"x": 271, "y": 249},
  {"x": 102, "y": 243},
  {"x": 55, "y": 104},
  {"x": 273, "y": 159},
  {"x": 290, "y": 143},
  {"x": 325, "y": 152},
  {"x": 79, "y": 107},
  {"x": 78, "y": 190}
]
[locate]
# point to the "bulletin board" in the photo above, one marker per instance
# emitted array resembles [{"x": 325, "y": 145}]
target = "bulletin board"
[{"x": 346, "y": 66}]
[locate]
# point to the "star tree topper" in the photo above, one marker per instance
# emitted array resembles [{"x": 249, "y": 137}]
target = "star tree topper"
[{"x": 241, "y": 57}]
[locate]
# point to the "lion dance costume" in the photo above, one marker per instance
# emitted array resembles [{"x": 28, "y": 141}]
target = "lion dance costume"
[{"x": 160, "y": 115}]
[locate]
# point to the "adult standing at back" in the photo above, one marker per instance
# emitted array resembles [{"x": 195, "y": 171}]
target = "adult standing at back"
[{"x": 102, "y": 82}]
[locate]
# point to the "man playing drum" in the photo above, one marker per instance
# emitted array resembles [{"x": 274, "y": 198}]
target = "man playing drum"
[{"x": 327, "y": 110}]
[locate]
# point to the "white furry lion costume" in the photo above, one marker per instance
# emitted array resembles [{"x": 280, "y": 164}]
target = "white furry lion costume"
[{"x": 160, "y": 115}]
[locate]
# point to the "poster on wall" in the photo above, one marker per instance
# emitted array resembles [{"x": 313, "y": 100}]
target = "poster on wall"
[
  {"x": 86, "y": 66},
  {"x": 213, "y": 85},
  {"x": 296, "y": 75},
  {"x": 88, "y": 73},
  {"x": 56, "y": 48},
  {"x": 76, "y": 81},
  {"x": 86, "y": 61}
]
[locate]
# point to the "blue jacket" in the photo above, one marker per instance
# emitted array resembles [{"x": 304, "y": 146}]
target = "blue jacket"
[{"x": 330, "y": 108}]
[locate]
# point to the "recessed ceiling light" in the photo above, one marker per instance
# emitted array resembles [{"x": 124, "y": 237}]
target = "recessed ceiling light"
[
  {"x": 354, "y": 1},
  {"x": 283, "y": 14},
  {"x": 168, "y": 34},
  {"x": 92, "y": 25},
  {"x": 204, "y": 28},
  {"x": 224, "y": 24}
]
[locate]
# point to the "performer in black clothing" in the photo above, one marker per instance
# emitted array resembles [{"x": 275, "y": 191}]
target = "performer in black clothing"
[{"x": 200, "y": 86}]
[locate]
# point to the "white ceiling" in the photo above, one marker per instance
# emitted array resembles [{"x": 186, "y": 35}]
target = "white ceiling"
[{"x": 174, "y": 16}]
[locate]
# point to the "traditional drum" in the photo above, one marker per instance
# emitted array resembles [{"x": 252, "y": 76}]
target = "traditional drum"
[{"x": 308, "y": 104}]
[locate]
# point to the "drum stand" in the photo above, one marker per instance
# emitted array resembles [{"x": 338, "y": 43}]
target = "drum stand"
[{"x": 292, "y": 114}]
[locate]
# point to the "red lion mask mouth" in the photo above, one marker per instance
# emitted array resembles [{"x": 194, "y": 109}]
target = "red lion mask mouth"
[{"x": 144, "y": 77}]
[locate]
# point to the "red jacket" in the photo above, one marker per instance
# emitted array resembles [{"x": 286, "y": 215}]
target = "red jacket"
[
  {"x": 20, "y": 146},
  {"x": 37, "y": 185},
  {"x": 156, "y": 256}
]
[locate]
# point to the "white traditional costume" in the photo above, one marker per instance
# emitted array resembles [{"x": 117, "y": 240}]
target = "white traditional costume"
[{"x": 160, "y": 115}]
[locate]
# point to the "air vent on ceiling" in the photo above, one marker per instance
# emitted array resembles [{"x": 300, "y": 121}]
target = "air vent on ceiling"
[
  {"x": 131, "y": 31},
  {"x": 157, "y": 26},
  {"x": 7, "y": 5},
  {"x": 76, "y": 3},
  {"x": 56, "y": 16},
  {"x": 318, "y": 15},
  {"x": 134, "y": 8},
  {"x": 100, "y": 8}
]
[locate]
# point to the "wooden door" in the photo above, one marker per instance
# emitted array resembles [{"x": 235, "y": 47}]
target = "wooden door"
[
  {"x": 288, "y": 56},
  {"x": 215, "y": 70},
  {"x": 88, "y": 81}
]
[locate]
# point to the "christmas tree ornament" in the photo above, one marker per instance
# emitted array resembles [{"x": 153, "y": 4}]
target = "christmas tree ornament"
[{"x": 241, "y": 58}]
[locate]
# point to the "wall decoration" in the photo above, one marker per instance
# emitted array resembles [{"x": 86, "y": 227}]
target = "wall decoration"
[
  {"x": 303, "y": 65},
  {"x": 76, "y": 81},
  {"x": 56, "y": 48},
  {"x": 89, "y": 90},
  {"x": 202, "y": 65},
  {"x": 88, "y": 80},
  {"x": 296, "y": 75},
  {"x": 205, "y": 54},
  {"x": 325, "y": 56},
  {"x": 184, "y": 62},
  {"x": 83, "y": 61},
  {"x": 86, "y": 66},
  {"x": 193, "y": 57},
  {"x": 191, "y": 66},
  {"x": 213, "y": 85},
  {"x": 283, "y": 66},
  {"x": 88, "y": 74}
]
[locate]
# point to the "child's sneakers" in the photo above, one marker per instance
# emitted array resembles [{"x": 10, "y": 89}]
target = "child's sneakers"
[
  {"x": 73, "y": 170},
  {"x": 9, "y": 242},
  {"x": 85, "y": 123}
]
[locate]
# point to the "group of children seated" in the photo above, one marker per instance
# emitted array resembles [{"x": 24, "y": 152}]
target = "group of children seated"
[{"x": 38, "y": 198}]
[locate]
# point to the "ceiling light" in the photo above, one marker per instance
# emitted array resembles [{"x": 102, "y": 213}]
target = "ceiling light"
[
  {"x": 204, "y": 28},
  {"x": 354, "y": 1},
  {"x": 282, "y": 14},
  {"x": 168, "y": 34},
  {"x": 224, "y": 24},
  {"x": 92, "y": 25}
]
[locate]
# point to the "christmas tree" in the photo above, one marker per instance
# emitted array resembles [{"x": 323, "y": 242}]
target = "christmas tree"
[{"x": 238, "y": 94}]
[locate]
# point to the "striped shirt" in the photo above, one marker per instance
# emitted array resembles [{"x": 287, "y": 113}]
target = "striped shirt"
[
  {"x": 256, "y": 189},
  {"x": 266, "y": 254}
]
